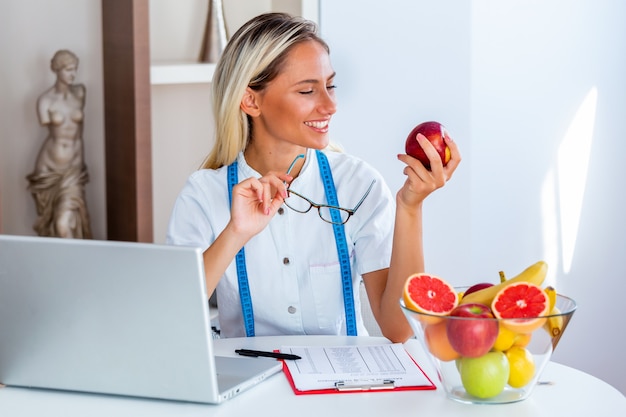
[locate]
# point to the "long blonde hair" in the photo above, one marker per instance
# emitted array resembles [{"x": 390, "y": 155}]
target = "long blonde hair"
[{"x": 252, "y": 58}]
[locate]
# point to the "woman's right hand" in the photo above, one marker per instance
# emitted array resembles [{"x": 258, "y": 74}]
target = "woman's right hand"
[{"x": 255, "y": 201}]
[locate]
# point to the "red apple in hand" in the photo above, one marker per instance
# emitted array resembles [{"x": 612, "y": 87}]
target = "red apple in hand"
[
  {"x": 474, "y": 332},
  {"x": 435, "y": 133}
]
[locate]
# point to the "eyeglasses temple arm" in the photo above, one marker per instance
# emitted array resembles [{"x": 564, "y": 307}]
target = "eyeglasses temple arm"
[
  {"x": 364, "y": 196},
  {"x": 294, "y": 162}
]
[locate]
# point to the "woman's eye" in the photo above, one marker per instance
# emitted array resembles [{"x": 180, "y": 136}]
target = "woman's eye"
[{"x": 311, "y": 91}]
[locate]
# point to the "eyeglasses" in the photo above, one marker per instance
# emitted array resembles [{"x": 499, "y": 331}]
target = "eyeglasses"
[{"x": 328, "y": 213}]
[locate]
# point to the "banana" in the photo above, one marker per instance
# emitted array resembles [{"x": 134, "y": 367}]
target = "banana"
[
  {"x": 554, "y": 324},
  {"x": 551, "y": 293},
  {"x": 535, "y": 273}
]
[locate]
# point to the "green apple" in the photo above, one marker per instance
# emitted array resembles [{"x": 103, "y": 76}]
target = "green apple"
[
  {"x": 457, "y": 362},
  {"x": 485, "y": 376}
]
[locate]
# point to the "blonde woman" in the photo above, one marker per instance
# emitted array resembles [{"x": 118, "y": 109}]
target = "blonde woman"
[
  {"x": 289, "y": 226},
  {"x": 58, "y": 180}
]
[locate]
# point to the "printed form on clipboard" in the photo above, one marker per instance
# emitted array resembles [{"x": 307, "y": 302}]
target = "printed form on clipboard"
[{"x": 334, "y": 369}]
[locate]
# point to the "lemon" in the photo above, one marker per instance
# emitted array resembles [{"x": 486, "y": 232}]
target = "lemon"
[
  {"x": 506, "y": 338},
  {"x": 522, "y": 339},
  {"x": 521, "y": 366}
]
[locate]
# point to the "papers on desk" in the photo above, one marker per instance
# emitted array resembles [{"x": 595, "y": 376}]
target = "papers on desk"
[{"x": 333, "y": 369}]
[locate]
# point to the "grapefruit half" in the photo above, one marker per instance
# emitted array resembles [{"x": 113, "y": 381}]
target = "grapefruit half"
[
  {"x": 521, "y": 306},
  {"x": 429, "y": 294}
]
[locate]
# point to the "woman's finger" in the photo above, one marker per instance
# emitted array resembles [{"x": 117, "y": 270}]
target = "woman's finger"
[{"x": 455, "y": 157}]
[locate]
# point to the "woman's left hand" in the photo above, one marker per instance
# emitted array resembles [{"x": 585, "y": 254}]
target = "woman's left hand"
[{"x": 420, "y": 181}]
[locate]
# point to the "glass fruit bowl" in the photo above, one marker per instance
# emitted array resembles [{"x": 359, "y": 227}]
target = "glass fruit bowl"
[{"x": 490, "y": 360}]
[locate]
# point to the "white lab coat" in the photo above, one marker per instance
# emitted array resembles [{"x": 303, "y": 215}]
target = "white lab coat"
[{"x": 293, "y": 269}]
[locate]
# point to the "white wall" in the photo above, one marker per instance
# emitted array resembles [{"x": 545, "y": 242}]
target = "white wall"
[
  {"x": 538, "y": 180},
  {"x": 556, "y": 193},
  {"x": 396, "y": 67}
]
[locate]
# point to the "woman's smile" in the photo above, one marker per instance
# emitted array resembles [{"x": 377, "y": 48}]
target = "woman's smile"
[{"x": 319, "y": 125}]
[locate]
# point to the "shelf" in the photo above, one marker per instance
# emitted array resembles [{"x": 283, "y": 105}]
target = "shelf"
[{"x": 164, "y": 73}]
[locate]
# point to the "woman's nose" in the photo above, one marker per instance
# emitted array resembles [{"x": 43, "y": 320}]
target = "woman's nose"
[{"x": 329, "y": 103}]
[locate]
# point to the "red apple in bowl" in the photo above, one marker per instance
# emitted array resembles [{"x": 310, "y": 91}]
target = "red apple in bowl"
[
  {"x": 472, "y": 329},
  {"x": 477, "y": 287},
  {"x": 435, "y": 133}
]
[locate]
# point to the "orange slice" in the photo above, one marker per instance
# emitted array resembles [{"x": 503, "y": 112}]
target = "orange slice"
[{"x": 521, "y": 306}]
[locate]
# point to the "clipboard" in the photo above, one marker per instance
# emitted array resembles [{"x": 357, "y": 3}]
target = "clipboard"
[{"x": 369, "y": 383}]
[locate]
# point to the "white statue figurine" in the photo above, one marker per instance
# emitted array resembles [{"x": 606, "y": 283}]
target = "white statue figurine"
[{"x": 58, "y": 181}]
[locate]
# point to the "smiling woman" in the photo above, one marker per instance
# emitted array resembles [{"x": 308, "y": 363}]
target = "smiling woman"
[{"x": 274, "y": 269}]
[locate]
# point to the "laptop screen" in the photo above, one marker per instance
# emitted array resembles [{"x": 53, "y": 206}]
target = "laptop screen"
[{"x": 108, "y": 317}]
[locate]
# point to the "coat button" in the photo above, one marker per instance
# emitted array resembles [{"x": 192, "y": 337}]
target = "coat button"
[
  {"x": 286, "y": 261},
  {"x": 281, "y": 210},
  {"x": 291, "y": 309}
]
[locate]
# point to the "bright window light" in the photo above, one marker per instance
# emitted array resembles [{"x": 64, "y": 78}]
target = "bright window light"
[
  {"x": 571, "y": 178},
  {"x": 572, "y": 166},
  {"x": 550, "y": 227}
]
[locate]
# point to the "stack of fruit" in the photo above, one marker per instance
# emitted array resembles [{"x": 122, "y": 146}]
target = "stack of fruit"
[{"x": 497, "y": 338}]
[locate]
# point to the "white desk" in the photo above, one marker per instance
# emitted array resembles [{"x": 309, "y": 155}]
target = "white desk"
[{"x": 574, "y": 393}]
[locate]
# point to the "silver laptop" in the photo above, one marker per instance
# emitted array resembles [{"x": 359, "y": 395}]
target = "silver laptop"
[{"x": 115, "y": 318}]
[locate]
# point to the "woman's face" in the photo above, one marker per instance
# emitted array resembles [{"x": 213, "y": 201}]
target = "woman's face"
[
  {"x": 297, "y": 105},
  {"x": 67, "y": 73}
]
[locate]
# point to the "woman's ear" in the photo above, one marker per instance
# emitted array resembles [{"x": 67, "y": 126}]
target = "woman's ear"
[{"x": 249, "y": 103}]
